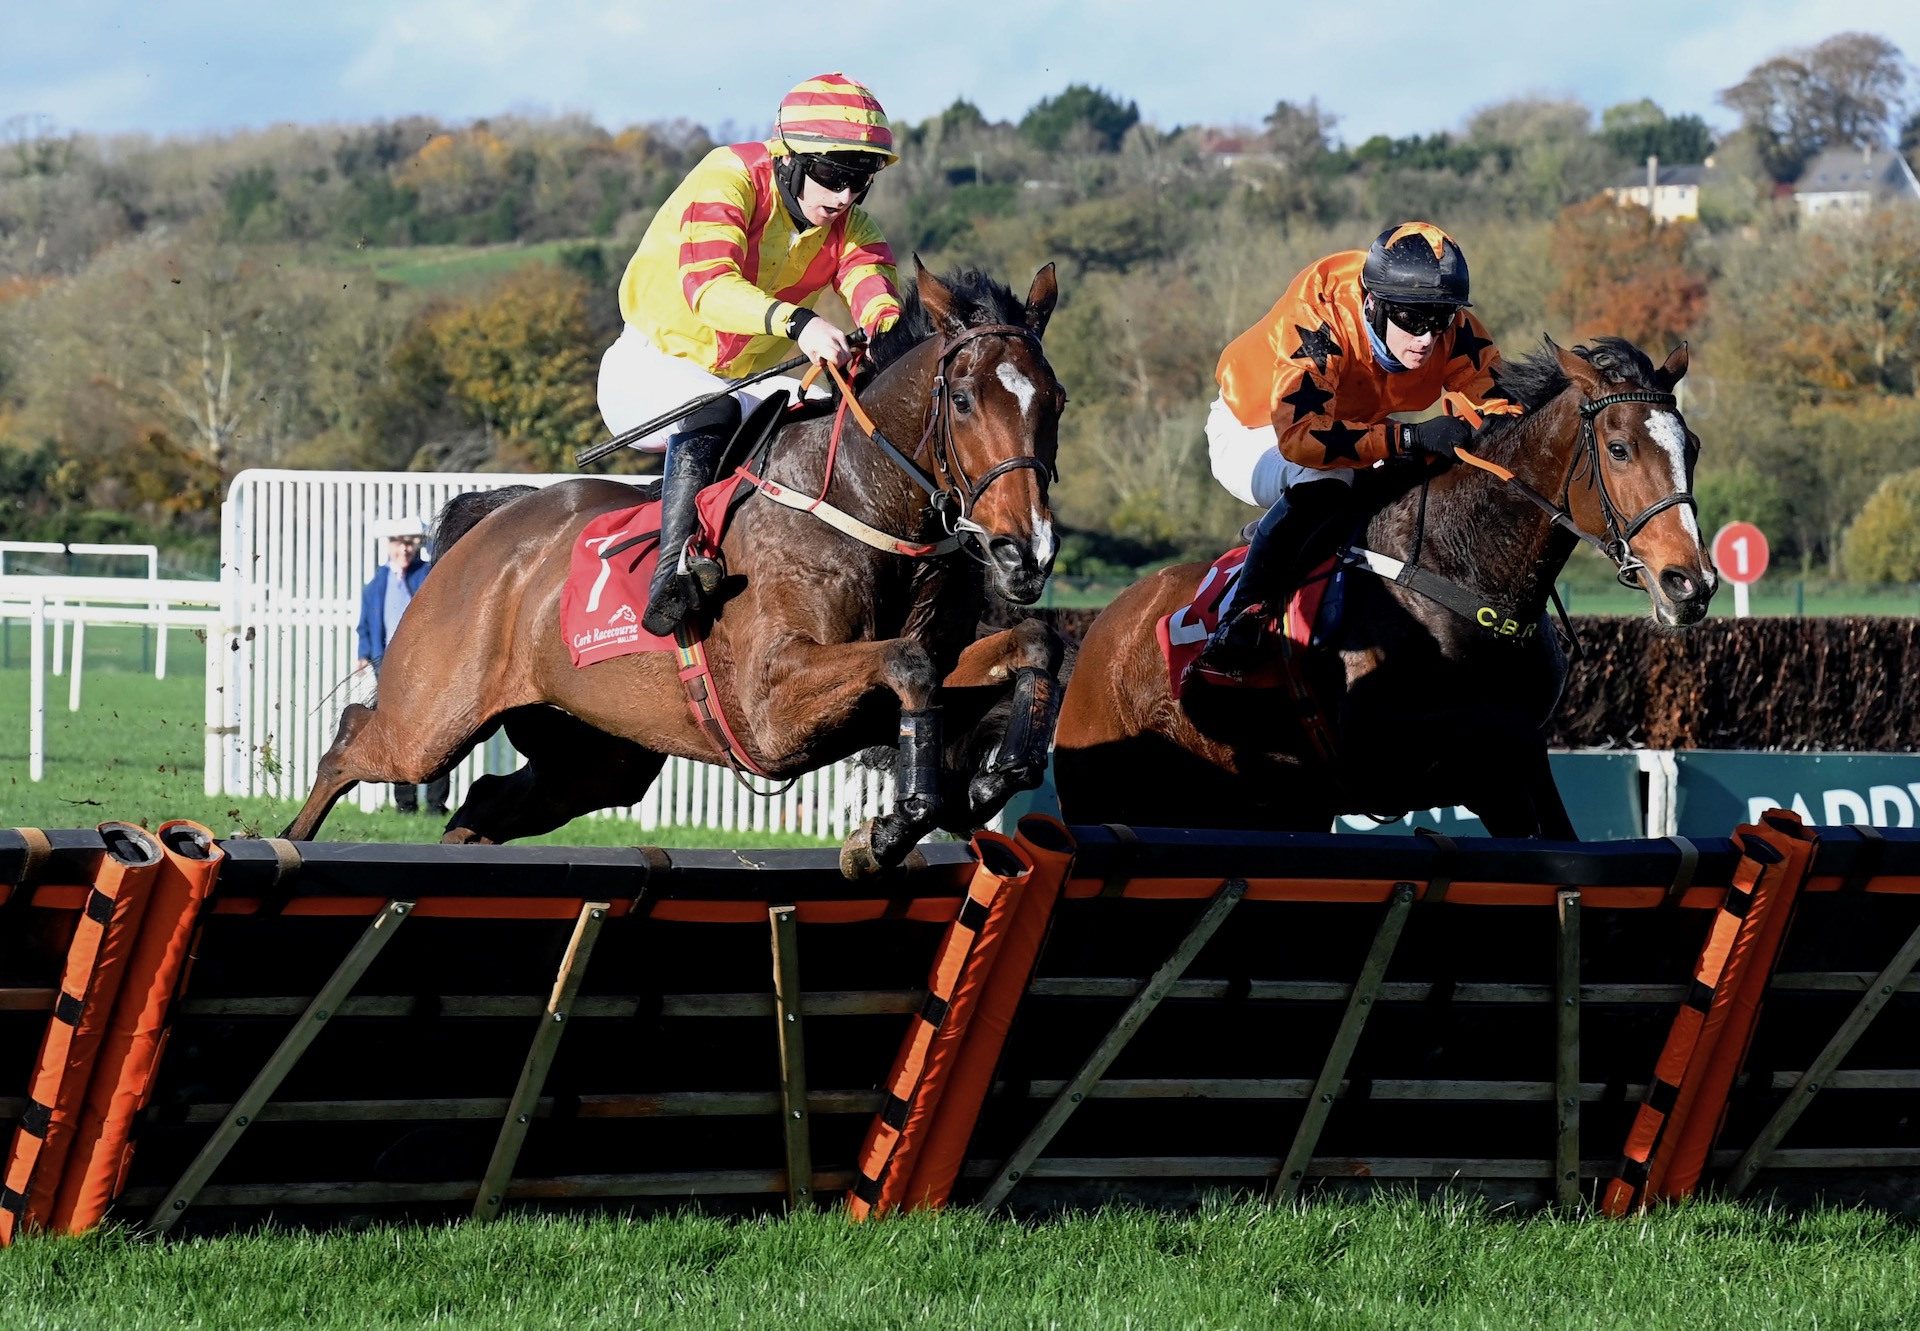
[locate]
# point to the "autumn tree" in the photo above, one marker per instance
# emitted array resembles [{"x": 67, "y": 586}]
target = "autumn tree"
[
  {"x": 1621, "y": 272},
  {"x": 520, "y": 362},
  {"x": 1883, "y": 544},
  {"x": 1843, "y": 91}
]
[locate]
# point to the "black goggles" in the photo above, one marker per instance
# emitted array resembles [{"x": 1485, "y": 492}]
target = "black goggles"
[
  {"x": 1420, "y": 320},
  {"x": 836, "y": 176}
]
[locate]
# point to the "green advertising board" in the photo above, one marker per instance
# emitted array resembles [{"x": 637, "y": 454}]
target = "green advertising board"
[
  {"x": 1719, "y": 790},
  {"x": 1602, "y": 791}
]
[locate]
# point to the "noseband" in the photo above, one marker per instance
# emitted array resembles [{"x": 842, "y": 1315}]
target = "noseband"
[
  {"x": 1618, "y": 544},
  {"x": 955, "y": 500}
]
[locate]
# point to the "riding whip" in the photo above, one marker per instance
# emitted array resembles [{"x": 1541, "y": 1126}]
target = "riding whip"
[{"x": 595, "y": 452}]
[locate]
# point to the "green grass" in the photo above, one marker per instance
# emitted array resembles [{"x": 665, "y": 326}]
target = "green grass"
[
  {"x": 447, "y": 267},
  {"x": 134, "y": 752},
  {"x": 1392, "y": 1262}
]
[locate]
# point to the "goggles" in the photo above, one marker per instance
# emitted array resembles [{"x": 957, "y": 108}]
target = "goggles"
[
  {"x": 836, "y": 176},
  {"x": 1420, "y": 320}
]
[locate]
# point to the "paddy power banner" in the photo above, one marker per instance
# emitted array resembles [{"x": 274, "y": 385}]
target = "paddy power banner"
[{"x": 1718, "y": 790}]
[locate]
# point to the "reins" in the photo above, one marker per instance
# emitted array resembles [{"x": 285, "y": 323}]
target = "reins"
[
  {"x": 951, "y": 494},
  {"x": 1617, "y": 546},
  {"x": 1517, "y": 626}
]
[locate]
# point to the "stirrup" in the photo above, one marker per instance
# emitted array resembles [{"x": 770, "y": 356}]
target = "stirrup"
[{"x": 1236, "y": 645}]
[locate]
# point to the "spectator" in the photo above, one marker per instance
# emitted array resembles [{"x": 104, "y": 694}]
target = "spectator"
[{"x": 384, "y": 600}]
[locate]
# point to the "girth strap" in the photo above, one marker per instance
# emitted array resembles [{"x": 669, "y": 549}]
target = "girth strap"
[{"x": 1502, "y": 624}]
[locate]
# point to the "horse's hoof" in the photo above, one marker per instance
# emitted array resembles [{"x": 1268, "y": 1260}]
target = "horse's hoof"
[
  {"x": 463, "y": 836},
  {"x": 857, "y": 859}
]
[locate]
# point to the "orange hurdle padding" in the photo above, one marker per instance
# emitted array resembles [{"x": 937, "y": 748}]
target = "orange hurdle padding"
[
  {"x": 1687, "y": 1087},
  {"x": 1048, "y": 844},
  {"x": 935, "y": 1035},
  {"x": 1702, "y": 1112},
  {"x": 103, "y": 943},
  {"x": 129, "y": 1054}
]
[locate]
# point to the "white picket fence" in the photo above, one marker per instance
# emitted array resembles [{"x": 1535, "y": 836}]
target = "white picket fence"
[{"x": 296, "y": 548}]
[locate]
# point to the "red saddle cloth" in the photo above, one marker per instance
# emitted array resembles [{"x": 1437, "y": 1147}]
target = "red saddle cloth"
[
  {"x": 1184, "y": 633},
  {"x": 601, "y": 605}
]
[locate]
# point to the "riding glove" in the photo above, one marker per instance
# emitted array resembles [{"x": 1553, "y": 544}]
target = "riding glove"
[{"x": 1436, "y": 438}]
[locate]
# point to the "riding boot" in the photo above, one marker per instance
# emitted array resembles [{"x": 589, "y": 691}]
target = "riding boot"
[
  {"x": 1298, "y": 532},
  {"x": 684, "y": 577}
]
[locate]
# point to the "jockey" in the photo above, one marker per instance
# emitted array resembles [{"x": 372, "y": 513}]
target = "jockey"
[
  {"x": 1305, "y": 399},
  {"x": 723, "y": 285}
]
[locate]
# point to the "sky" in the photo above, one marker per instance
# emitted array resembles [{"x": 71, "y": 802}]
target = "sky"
[{"x": 1383, "y": 66}]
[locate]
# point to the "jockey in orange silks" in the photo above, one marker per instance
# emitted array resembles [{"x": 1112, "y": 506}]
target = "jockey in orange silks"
[{"x": 1306, "y": 396}]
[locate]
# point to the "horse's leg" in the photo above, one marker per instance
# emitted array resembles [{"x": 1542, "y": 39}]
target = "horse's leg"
[
  {"x": 1015, "y": 672},
  {"x": 817, "y": 691},
  {"x": 333, "y": 777},
  {"x": 571, "y": 769},
  {"x": 1526, "y": 801},
  {"x": 413, "y": 738}
]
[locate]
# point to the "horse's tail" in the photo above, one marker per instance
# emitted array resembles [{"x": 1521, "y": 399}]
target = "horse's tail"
[{"x": 464, "y": 510}]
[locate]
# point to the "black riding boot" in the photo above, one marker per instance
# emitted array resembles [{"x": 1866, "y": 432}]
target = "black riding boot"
[
  {"x": 1299, "y": 531},
  {"x": 683, "y": 578}
]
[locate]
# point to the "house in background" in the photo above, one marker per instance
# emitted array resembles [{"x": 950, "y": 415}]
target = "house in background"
[
  {"x": 1670, "y": 193},
  {"x": 1852, "y": 180}
]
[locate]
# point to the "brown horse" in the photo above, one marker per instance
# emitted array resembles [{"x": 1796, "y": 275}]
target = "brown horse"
[
  {"x": 1440, "y": 674},
  {"x": 825, "y": 647}
]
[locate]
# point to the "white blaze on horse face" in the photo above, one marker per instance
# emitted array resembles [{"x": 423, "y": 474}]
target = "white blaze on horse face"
[
  {"x": 1017, "y": 384},
  {"x": 1667, "y": 432},
  {"x": 1044, "y": 543}
]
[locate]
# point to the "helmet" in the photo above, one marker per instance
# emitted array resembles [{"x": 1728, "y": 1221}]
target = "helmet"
[
  {"x": 833, "y": 114},
  {"x": 1416, "y": 263}
]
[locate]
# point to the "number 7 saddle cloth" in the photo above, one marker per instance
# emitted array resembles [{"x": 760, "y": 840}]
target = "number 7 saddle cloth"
[{"x": 611, "y": 570}]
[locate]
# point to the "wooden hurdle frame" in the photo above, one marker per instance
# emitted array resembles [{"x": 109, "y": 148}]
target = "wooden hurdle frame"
[{"x": 1407, "y": 888}]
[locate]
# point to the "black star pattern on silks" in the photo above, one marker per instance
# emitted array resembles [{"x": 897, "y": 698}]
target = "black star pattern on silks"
[
  {"x": 1307, "y": 400},
  {"x": 1317, "y": 346},
  {"x": 1339, "y": 440},
  {"x": 1467, "y": 345}
]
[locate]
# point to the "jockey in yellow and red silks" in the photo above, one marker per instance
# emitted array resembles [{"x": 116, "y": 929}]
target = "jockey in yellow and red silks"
[
  {"x": 723, "y": 285},
  {"x": 1306, "y": 396}
]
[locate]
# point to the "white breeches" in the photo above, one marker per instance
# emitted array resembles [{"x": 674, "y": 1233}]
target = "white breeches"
[
  {"x": 1247, "y": 459},
  {"x": 638, "y": 381}
]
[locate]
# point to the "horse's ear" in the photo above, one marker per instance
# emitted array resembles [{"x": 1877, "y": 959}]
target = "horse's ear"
[
  {"x": 935, "y": 296},
  {"x": 1673, "y": 370},
  {"x": 1576, "y": 368},
  {"x": 1040, "y": 299}
]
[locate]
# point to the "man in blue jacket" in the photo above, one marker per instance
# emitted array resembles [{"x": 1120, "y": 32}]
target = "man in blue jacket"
[{"x": 382, "y": 602}]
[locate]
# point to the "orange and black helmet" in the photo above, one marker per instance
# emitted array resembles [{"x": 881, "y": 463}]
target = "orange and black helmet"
[{"x": 1416, "y": 263}]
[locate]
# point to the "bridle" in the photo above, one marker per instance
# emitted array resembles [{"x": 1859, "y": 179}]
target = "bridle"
[
  {"x": 950, "y": 491},
  {"x": 1617, "y": 544}
]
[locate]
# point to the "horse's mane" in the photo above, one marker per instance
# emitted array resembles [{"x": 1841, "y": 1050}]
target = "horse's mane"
[
  {"x": 1536, "y": 379},
  {"x": 977, "y": 299}
]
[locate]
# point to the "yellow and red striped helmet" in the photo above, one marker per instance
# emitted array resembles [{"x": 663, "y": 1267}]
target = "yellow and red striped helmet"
[{"x": 831, "y": 113}]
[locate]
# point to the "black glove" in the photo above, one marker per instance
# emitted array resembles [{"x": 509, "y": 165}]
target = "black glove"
[{"x": 1436, "y": 438}]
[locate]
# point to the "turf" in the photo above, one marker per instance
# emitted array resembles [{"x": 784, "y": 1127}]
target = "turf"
[
  {"x": 134, "y": 752},
  {"x": 1392, "y": 1262}
]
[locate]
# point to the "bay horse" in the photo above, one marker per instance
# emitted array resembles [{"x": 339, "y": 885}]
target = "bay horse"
[
  {"x": 1428, "y": 703},
  {"x": 826, "y": 646}
]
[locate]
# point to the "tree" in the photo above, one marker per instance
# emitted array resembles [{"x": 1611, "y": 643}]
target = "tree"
[
  {"x": 1300, "y": 135},
  {"x": 520, "y": 362},
  {"x": 1052, "y": 119},
  {"x": 1843, "y": 91},
  {"x": 1623, "y": 273},
  {"x": 1639, "y": 130},
  {"x": 1883, "y": 544},
  {"x": 1849, "y": 304}
]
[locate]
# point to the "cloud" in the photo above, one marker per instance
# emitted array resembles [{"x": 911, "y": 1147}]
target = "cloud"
[{"x": 1397, "y": 68}]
